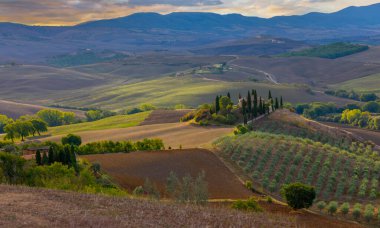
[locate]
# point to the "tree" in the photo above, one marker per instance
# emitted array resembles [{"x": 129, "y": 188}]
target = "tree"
[
  {"x": 10, "y": 131},
  {"x": 321, "y": 205},
  {"x": 281, "y": 103},
  {"x": 72, "y": 139},
  {"x": 4, "y": 121},
  {"x": 229, "y": 95},
  {"x": 38, "y": 157},
  {"x": 45, "y": 159},
  {"x": 269, "y": 95},
  {"x": 217, "y": 105},
  {"x": 277, "y": 106},
  {"x": 368, "y": 97},
  {"x": 332, "y": 207},
  {"x": 51, "y": 155},
  {"x": 372, "y": 106},
  {"x": 260, "y": 109},
  {"x": 39, "y": 126},
  {"x": 345, "y": 208},
  {"x": 298, "y": 195},
  {"x": 52, "y": 117},
  {"x": 249, "y": 103}
]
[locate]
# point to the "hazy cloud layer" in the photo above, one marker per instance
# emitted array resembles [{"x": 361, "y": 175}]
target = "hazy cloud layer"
[{"x": 68, "y": 12}]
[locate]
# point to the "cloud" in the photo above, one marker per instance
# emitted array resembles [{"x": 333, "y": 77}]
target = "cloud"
[
  {"x": 70, "y": 12},
  {"x": 175, "y": 2}
]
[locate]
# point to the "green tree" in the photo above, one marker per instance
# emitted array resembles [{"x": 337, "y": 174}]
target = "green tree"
[
  {"x": 52, "y": 117},
  {"x": 249, "y": 104},
  {"x": 345, "y": 208},
  {"x": 68, "y": 117},
  {"x": 72, "y": 139},
  {"x": 277, "y": 106},
  {"x": 281, "y": 103},
  {"x": 45, "y": 159},
  {"x": 229, "y": 95},
  {"x": 94, "y": 115},
  {"x": 10, "y": 131},
  {"x": 269, "y": 95},
  {"x": 38, "y": 157},
  {"x": 51, "y": 155},
  {"x": 321, "y": 205},
  {"x": 332, "y": 207},
  {"x": 298, "y": 195},
  {"x": 39, "y": 126},
  {"x": 4, "y": 120},
  {"x": 217, "y": 105},
  {"x": 19, "y": 129}
]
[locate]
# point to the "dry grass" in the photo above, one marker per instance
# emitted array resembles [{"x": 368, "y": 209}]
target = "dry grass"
[
  {"x": 131, "y": 170},
  {"x": 173, "y": 134},
  {"x": 28, "y": 207},
  {"x": 165, "y": 116}
]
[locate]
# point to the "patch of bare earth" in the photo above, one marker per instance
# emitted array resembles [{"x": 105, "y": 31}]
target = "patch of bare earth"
[
  {"x": 30, "y": 207},
  {"x": 131, "y": 170}
]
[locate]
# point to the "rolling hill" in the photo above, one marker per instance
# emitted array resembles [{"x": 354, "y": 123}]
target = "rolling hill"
[{"x": 181, "y": 32}]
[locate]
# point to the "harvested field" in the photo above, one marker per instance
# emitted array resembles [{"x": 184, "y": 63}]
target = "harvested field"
[
  {"x": 15, "y": 110},
  {"x": 173, "y": 134},
  {"x": 131, "y": 170},
  {"x": 165, "y": 116},
  {"x": 31, "y": 207}
]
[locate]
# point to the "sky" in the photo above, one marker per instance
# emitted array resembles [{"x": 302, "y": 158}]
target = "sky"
[{"x": 71, "y": 12}]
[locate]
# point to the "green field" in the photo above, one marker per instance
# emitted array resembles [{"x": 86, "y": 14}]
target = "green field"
[
  {"x": 191, "y": 91},
  {"x": 367, "y": 84},
  {"x": 121, "y": 121}
]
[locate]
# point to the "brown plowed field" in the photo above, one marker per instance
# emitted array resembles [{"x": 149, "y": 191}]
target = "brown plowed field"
[
  {"x": 130, "y": 170},
  {"x": 173, "y": 134},
  {"x": 165, "y": 116}
]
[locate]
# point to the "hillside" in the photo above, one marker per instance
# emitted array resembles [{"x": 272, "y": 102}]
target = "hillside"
[
  {"x": 142, "y": 32},
  {"x": 23, "y": 206},
  {"x": 366, "y": 84},
  {"x": 330, "y": 51},
  {"x": 334, "y": 161}
]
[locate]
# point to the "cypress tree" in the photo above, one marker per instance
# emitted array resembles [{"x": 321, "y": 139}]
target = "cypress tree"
[
  {"x": 217, "y": 105},
  {"x": 276, "y": 104},
  {"x": 51, "y": 155},
  {"x": 281, "y": 104},
  {"x": 270, "y": 95},
  {"x": 73, "y": 160},
  {"x": 45, "y": 159},
  {"x": 244, "y": 107},
  {"x": 254, "y": 111},
  {"x": 239, "y": 96},
  {"x": 260, "y": 107},
  {"x": 61, "y": 156},
  {"x": 245, "y": 119},
  {"x": 229, "y": 95},
  {"x": 66, "y": 159},
  {"x": 249, "y": 102},
  {"x": 38, "y": 157}
]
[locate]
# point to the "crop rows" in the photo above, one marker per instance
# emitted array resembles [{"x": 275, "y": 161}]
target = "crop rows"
[{"x": 273, "y": 160}]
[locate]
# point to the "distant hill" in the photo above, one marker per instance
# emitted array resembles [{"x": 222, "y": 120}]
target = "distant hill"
[{"x": 181, "y": 32}]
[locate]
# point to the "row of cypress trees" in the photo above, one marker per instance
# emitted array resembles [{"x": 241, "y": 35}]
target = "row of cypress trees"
[
  {"x": 63, "y": 154},
  {"x": 253, "y": 105}
]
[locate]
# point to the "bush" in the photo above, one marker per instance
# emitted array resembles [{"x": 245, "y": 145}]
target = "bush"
[
  {"x": 73, "y": 140},
  {"x": 241, "y": 130},
  {"x": 321, "y": 205},
  {"x": 332, "y": 207},
  {"x": 345, "y": 208},
  {"x": 248, "y": 185},
  {"x": 298, "y": 195},
  {"x": 356, "y": 212},
  {"x": 248, "y": 205},
  {"x": 369, "y": 212}
]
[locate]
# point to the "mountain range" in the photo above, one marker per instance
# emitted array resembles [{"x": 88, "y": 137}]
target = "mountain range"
[{"x": 185, "y": 32}]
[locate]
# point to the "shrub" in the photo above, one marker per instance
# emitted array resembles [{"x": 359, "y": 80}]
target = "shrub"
[
  {"x": 298, "y": 195},
  {"x": 332, "y": 207},
  {"x": 356, "y": 212},
  {"x": 248, "y": 205},
  {"x": 368, "y": 212},
  {"x": 241, "y": 130},
  {"x": 138, "y": 191},
  {"x": 321, "y": 205},
  {"x": 345, "y": 208},
  {"x": 70, "y": 139},
  {"x": 248, "y": 185}
]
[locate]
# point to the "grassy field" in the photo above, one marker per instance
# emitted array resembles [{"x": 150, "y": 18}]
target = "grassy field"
[
  {"x": 173, "y": 134},
  {"x": 121, "y": 121},
  {"x": 366, "y": 84},
  {"x": 191, "y": 91}
]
